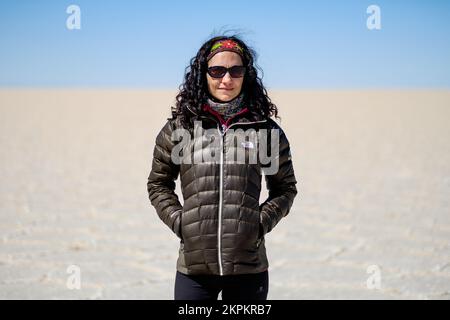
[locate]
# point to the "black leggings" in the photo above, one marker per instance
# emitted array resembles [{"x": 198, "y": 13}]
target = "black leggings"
[{"x": 234, "y": 287}]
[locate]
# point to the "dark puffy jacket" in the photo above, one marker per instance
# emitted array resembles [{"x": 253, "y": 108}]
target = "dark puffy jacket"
[{"x": 221, "y": 224}]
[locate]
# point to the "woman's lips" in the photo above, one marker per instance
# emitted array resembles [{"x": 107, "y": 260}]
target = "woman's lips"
[{"x": 225, "y": 89}]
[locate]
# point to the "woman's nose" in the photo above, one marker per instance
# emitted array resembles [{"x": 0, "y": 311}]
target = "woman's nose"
[{"x": 227, "y": 77}]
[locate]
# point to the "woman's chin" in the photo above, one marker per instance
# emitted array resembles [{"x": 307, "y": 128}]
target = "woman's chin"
[{"x": 225, "y": 97}]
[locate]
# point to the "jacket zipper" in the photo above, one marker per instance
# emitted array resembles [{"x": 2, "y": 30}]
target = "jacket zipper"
[{"x": 219, "y": 224}]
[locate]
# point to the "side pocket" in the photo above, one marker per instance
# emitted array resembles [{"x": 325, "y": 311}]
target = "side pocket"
[
  {"x": 176, "y": 228},
  {"x": 181, "y": 227},
  {"x": 260, "y": 236},
  {"x": 260, "y": 231}
]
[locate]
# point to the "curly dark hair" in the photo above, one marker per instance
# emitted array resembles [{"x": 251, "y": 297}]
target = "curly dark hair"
[{"x": 195, "y": 87}]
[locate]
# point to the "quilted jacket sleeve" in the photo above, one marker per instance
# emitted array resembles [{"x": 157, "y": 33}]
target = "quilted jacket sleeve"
[
  {"x": 161, "y": 181},
  {"x": 281, "y": 188}
]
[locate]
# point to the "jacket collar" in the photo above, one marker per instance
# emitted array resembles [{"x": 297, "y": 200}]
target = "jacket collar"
[
  {"x": 225, "y": 123},
  {"x": 246, "y": 117}
]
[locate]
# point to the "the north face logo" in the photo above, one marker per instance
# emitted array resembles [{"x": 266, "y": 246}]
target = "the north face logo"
[{"x": 248, "y": 144}]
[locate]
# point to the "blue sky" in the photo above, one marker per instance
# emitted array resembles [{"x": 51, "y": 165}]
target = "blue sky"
[{"x": 301, "y": 44}]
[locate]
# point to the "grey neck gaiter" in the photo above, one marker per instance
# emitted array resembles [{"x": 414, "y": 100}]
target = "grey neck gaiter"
[{"x": 227, "y": 109}]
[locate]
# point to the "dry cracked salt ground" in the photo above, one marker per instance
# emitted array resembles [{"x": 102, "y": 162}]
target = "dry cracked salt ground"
[{"x": 374, "y": 178}]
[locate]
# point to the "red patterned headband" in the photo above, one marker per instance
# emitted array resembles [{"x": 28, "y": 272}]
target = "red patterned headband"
[{"x": 225, "y": 45}]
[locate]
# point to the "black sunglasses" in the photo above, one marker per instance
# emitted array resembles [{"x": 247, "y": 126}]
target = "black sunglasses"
[{"x": 220, "y": 71}]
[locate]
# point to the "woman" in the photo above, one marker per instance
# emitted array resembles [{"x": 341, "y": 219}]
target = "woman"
[{"x": 221, "y": 225}]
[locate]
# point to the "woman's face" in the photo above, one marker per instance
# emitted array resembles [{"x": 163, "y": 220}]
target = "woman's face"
[{"x": 225, "y": 88}]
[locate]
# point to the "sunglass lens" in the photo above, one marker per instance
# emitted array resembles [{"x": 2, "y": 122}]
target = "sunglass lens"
[
  {"x": 237, "y": 71},
  {"x": 217, "y": 71}
]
